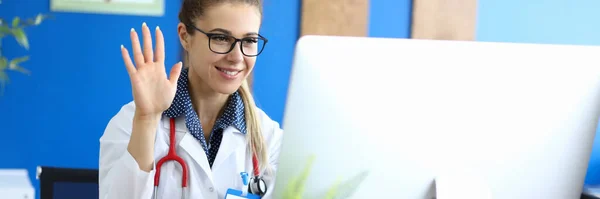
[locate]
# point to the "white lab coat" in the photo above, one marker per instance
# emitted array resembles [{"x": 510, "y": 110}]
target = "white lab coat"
[{"x": 120, "y": 176}]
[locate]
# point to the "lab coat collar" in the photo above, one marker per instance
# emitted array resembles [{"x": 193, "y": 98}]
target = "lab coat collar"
[{"x": 233, "y": 115}]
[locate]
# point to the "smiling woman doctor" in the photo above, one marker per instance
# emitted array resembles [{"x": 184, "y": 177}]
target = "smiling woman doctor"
[{"x": 197, "y": 134}]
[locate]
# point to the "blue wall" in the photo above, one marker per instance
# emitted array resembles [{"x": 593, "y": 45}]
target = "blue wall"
[
  {"x": 544, "y": 21},
  {"x": 390, "y": 18},
  {"x": 56, "y": 116}
]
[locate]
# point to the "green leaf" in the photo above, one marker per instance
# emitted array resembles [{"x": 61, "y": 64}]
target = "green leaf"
[
  {"x": 296, "y": 186},
  {"x": 38, "y": 19},
  {"x": 331, "y": 193},
  {"x": 19, "y": 60},
  {"x": 4, "y": 29},
  {"x": 13, "y": 65},
  {"x": 347, "y": 189},
  {"x": 3, "y": 63},
  {"x": 16, "y": 22},
  {"x": 21, "y": 37},
  {"x": 3, "y": 81}
]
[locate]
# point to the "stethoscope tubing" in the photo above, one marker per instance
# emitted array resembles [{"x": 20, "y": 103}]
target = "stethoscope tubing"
[{"x": 172, "y": 156}]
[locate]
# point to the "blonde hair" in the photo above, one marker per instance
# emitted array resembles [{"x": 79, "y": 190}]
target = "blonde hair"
[
  {"x": 254, "y": 134},
  {"x": 190, "y": 11}
]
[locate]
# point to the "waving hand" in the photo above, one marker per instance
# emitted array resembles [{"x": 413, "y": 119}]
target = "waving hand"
[{"x": 153, "y": 92}]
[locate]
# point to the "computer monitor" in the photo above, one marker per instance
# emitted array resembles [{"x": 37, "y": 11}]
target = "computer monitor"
[
  {"x": 383, "y": 118},
  {"x": 67, "y": 183}
]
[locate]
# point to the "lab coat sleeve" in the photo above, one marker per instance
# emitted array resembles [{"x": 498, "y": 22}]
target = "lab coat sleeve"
[
  {"x": 119, "y": 174},
  {"x": 274, "y": 147}
]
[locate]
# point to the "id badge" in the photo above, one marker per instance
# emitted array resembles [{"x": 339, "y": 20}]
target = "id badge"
[{"x": 236, "y": 194}]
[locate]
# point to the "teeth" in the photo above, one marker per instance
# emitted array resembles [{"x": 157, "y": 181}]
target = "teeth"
[{"x": 232, "y": 73}]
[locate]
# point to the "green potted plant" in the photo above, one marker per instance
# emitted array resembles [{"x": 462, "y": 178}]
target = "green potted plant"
[{"x": 15, "y": 28}]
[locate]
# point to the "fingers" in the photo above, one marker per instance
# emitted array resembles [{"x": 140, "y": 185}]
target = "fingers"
[
  {"x": 175, "y": 72},
  {"x": 138, "y": 57},
  {"x": 148, "y": 54},
  {"x": 159, "y": 53},
  {"x": 128, "y": 64}
]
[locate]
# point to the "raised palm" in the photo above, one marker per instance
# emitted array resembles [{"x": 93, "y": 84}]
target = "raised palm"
[{"x": 152, "y": 91}]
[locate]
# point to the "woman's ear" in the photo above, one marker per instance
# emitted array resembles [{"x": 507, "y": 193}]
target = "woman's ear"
[{"x": 183, "y": 36}]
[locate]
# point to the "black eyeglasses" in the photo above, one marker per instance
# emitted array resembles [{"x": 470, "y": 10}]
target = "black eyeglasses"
[{"x": 221, "y": 43}]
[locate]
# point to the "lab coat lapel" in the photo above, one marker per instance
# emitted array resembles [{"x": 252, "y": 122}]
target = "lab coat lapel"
[
  {"x": 190, "y": 145},
  {"x": 233, "y": 140},
  {"x": 195, "y": 150}
]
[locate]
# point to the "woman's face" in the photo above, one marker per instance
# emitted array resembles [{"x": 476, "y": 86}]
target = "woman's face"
[{"x": 223, "y": 73}]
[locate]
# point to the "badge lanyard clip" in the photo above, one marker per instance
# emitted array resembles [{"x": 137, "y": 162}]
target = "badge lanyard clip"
[{"x": 245, "y": 181}]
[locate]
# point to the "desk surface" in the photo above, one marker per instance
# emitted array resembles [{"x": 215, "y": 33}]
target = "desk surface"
[{"x": 15, "y": 178}]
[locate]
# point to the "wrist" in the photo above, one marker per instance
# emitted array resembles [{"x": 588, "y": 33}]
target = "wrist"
[
  {"x": 141, "y": 144},
  {"x": 146, "y": 117}
]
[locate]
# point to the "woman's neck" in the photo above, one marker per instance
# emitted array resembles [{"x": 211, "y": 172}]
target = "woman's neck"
[{"x": 206, "y": 102}]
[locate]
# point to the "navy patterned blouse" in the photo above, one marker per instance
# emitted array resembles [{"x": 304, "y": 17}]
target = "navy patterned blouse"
[{"x": 233, "y": 115}]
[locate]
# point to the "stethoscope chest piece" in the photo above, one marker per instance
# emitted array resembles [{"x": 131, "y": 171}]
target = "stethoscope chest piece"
[{"x": 257, "y": 186}]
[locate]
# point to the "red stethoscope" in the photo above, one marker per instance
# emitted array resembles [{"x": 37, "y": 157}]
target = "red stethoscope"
[{"x": 257, "y": 185}]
